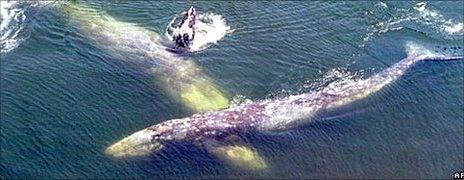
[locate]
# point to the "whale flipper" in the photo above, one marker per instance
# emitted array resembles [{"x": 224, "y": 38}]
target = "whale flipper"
[{"x": 236, "y": 151}]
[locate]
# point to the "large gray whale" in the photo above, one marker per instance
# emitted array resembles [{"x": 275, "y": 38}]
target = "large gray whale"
[{"x": 265, "y": 115}]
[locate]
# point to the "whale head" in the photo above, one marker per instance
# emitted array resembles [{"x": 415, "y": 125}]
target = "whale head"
[
  {"x": 191, "y": 11},
  {"x": 138, "y": 144},
  {"x": 184, "y": 33}
]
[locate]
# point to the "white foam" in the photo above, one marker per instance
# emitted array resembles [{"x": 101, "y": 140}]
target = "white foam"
[
  {"x": 453, "y": 28},
  {"x": 210, "y": 29},
  {"x": 12, "y": 22},
  {"x": 12, "y": 19},
  {"x": 415, "y": 49},
  {"x": 334, "y": 78},
  {"x": 382, "y": 4},
  {"x": 433, "y": 17},
  {"x": 340, "y": 78},
  {"x": 420, "y": 6},
  {"x": 419, "y": 14}
]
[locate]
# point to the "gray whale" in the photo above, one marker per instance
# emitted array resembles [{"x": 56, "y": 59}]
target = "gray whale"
[{"x": 265, "y": 115}]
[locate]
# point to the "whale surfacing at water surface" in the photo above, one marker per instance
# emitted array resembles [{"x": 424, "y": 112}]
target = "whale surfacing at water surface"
[
  {"x": 209, "y": 129},
  {"x": 184, "y": 33},
  {"x": 182, "y": 79}
]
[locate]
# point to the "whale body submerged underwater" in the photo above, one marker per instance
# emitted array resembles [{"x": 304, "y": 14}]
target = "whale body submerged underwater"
[
  {"x": 181, "y": 78},
  {"x": 212, "y": 129}
]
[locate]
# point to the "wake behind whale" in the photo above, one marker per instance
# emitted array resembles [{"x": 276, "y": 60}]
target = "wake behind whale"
[{"x": 209, "y": 129}]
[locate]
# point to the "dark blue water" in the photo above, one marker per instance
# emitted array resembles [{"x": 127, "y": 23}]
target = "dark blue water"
[{"x": 65, "y": 96}]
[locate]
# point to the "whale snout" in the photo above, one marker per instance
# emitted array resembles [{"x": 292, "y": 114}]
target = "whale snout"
[{"x": 138, "y": 144}]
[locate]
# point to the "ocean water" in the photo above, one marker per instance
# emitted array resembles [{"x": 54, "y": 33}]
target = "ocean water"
[{"x": 65, "y": 96}]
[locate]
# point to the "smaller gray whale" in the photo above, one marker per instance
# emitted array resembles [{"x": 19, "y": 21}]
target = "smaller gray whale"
[{"x": 209, "y": 129}]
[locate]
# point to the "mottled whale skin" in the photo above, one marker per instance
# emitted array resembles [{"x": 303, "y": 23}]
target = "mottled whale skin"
[{"x": 266, "y": 115}]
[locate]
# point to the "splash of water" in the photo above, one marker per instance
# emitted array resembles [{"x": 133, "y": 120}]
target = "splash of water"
[
  {"x": 13, "y": 17},
  {"x": 12, "y": 23},
  {"x": 210, "y": 28}
]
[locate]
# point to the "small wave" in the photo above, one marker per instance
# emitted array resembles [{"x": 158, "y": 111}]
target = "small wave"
[
  {"x": 336, "y": 78},
  {"x": 433, "y": 17},
  {"x": 210, "y": 28},
  {"x": 332, "y": 79},
  {"x": 421, "y": 15}
]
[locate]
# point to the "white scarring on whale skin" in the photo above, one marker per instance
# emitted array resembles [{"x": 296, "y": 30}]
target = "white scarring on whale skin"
[{"x": 279, "y": 114}]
